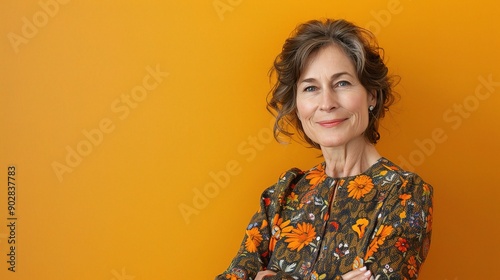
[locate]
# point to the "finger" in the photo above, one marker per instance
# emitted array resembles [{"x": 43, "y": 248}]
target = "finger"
[
  {"x": 261, "y": 274},
  {"x": 360, "y": 273}
]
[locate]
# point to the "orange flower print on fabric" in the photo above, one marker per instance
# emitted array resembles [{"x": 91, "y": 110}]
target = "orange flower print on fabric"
[
  {"x": 316, "y": 176},
  {"x": 405, "y": 182},
  {"x": 360, "y": 227},
  {"x": 402, "y": 245},
  {"x": 412, "y": 266},
  {"x": 378, "y": 240},
  {"x": 293, "y": 197},
  {"x": 300, "y": 236},
  {"x": 360, "y": 186},
  {"x": 427, "y": 189},
  {"x": 404, "y": 197},
  {"x": 264, "y": 224},
  {"x": 253, "y": 240},
  {"x": 402, "y": 215},
  {"x": 279, "y": 229},
  {"x": 232, "y": 276},
  {"x": 429, "y": 220}
]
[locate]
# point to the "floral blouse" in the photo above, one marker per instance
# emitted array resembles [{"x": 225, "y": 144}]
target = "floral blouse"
[{"x": 312, "y": 226}]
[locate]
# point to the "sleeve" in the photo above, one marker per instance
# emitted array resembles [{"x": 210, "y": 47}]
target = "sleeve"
[
  {"x": 401, "y": 242},
  {"x": 254, "y": 254}
]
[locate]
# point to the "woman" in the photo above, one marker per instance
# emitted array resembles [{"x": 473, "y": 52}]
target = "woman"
[{"x": 356, "y": 215}]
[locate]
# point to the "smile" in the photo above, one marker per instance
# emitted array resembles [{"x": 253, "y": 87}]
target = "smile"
[{"x": 331, "y": 123}]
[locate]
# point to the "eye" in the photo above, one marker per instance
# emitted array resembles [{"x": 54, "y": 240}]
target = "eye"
[
  {"x": 310, "y": 89},
  {"x": 343, "y": 84}
]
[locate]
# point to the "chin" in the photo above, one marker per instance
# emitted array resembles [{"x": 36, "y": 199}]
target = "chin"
[
  {"x": 334, "y": 142},
  {"x": 331, "y": 143}
]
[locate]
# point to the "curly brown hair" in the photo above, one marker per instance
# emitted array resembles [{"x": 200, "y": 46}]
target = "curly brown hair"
[{"x": 361, "y": 47}]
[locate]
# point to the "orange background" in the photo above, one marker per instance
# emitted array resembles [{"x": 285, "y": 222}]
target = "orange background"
[{"x": 75, "y": 77}]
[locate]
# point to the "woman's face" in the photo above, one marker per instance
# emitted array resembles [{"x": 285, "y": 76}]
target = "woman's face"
[{"x": 332, "y": 105}]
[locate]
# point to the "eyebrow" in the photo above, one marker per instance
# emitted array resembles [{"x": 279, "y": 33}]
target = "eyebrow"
[{"x": 333, "y": 77}]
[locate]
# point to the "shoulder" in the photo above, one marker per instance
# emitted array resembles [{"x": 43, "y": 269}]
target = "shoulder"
[
  {"x": 411, "y": 200},
  {"x": 407, "y": 182},
  {"x": 290, "y": 178}
]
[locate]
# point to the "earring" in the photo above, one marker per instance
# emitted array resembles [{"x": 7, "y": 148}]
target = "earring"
[{"x": 371, "y": 108}]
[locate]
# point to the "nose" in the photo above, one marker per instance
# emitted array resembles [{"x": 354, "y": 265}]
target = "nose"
[{"x": 328, "y": 100}]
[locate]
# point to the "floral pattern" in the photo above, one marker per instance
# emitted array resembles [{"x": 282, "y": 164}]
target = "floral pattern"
[
  {"x": 402, "y": 245},
  {"x": 301, "y": 236},
  {"x": 360, "y": 186},
  {"x": 360, "y": 227},
  {"x": 378, "y": 240},
  {"x": 279, "y": 229},
  {"x": 312, "y": 226},
  {"x": 253, "y": 240}
]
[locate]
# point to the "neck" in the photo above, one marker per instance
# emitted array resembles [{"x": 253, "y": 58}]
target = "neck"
[{"x": 350, "y": 159}]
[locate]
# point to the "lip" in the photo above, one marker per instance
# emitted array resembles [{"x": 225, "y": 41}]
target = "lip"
[{"x": 331, "y": 123}]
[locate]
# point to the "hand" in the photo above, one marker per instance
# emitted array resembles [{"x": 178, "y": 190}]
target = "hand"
[
  {"x": 262, "y": 274},
  {"x": 358, "y": 274}
]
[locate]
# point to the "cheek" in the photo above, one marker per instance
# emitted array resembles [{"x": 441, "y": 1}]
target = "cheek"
[
  {"x": 304, "y": 111},
  {"x": 363, "y": 118},
  {"x": 358, "y": 106}
]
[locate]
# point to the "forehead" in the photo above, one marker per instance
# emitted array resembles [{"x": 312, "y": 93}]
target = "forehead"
[{"x": 331, "y": 58}]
